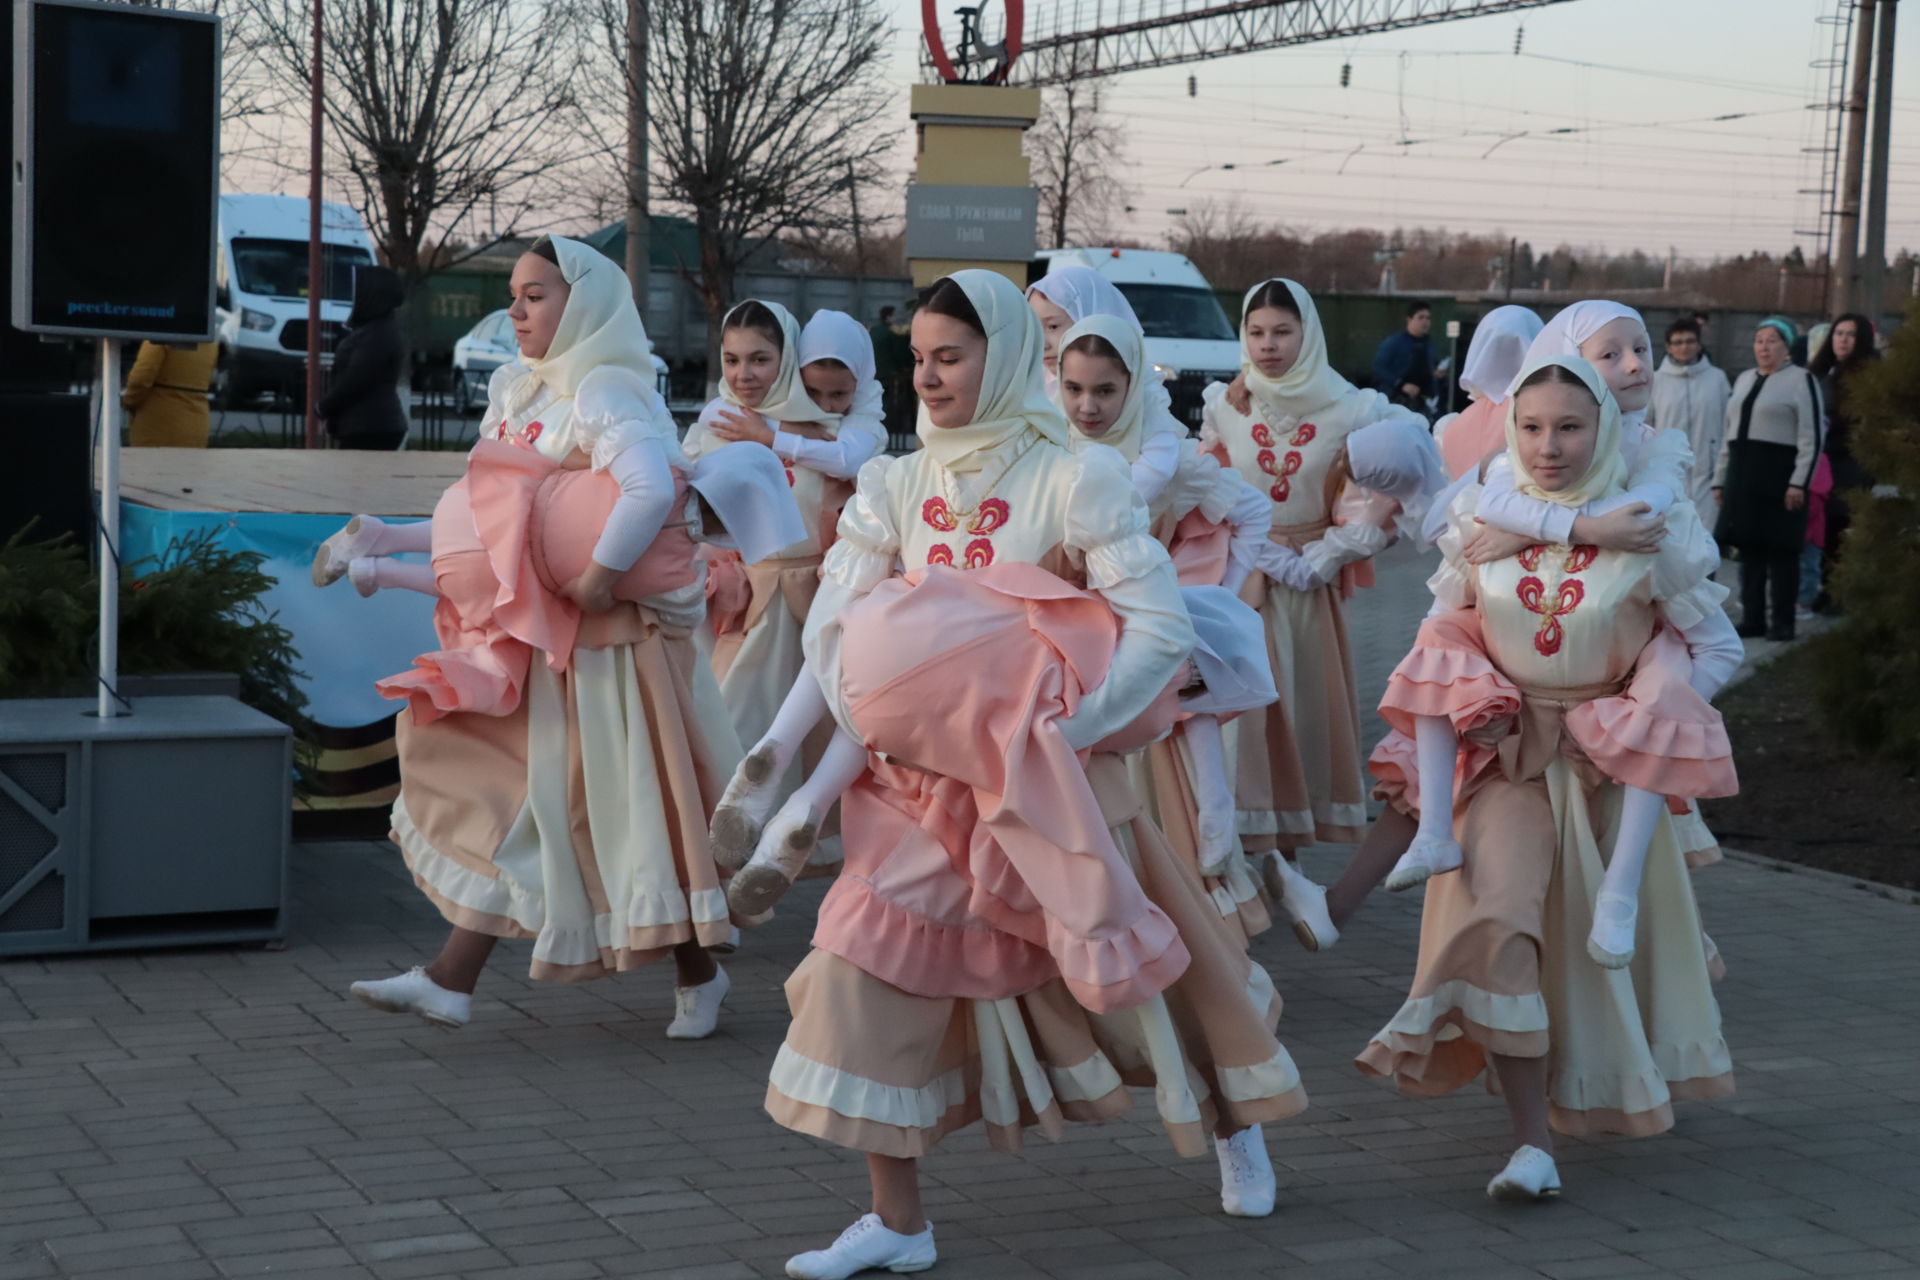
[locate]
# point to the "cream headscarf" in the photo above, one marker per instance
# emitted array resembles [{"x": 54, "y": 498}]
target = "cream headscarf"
[
  {"x": 786, "y": 400},
  {"x": 835, "y": 335},
  {"x": 1607, "y": 473},
  {"x": 1129, "y": 430},
  {"x": 599, "y": 326},
  {"x": 1499, "y": 347},
  {"x": 1013, "y": 403},
  {"x": 1082, "y": 292},
  {"x": 1311, "y": 383}
]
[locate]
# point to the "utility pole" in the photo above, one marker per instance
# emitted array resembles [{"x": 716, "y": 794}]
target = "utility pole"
[
  {"x": 1513, "y": 247},
  {"x": 1873, "y": 265},
  {"x": 1667, "y": 283},
  {"x": 1846, "y": 238},
  {"x": 639, "y": 246},
  {"x": 316, "y": 265}
]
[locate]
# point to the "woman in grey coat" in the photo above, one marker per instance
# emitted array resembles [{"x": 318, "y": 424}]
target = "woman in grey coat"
[{"x": 1767, "y": 457}]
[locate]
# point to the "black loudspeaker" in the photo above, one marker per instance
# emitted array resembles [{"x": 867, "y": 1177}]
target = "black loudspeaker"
[
  {"x": 48, "y": 444},
  {"x": 117, "y": 141},
  {"x": 27, "y": 363}
]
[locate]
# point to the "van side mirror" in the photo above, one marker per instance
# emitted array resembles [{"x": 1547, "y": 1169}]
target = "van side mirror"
[{"x": 223, "y": 298}]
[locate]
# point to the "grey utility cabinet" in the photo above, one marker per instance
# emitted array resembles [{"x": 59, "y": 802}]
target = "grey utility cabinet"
[{"x": 167, "y": 827}]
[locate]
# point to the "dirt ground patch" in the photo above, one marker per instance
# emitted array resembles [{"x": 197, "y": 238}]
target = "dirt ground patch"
[{"x": 1805, "y": 799}]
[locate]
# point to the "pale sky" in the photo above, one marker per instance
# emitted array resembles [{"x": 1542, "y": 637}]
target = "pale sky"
[{"x": 1641, "y": 79}]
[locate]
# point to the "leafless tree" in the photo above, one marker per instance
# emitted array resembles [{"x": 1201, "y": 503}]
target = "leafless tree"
[
  {"x": 444, "y": 115},
  {"x": 1076, "y": 154},
  {"x": 768, "y": 117}
]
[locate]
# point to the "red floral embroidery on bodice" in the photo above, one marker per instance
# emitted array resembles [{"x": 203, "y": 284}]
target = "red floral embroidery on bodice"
[
  {"x": 1282, "y": 470},
  {"x": 989, "y": 518},
  {"x": 1532, "y": 592}
]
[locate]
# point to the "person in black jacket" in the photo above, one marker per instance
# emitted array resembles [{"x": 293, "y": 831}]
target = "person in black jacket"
[{"x": 362, "y": 402}]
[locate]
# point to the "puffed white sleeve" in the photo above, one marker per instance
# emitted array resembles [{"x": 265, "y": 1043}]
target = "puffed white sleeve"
[
  {"x": 1658, "y": 473},
  {"x": 1160, "y": 450},
  {"x": 862, "y": 434},
  {"x": 500, "y": 385},
  {"x": 1683, "y": 569},
  {"x": 1504, "y": 507},
  {"x": 1106, "y": 527},
  {"x": 865, "y": 554},
  {"x": 615, "y": 408},
  {"x": 1453, "y": 583},
  {"x": 700, "y": 441},
  {"x": 1213, "y": 406}
]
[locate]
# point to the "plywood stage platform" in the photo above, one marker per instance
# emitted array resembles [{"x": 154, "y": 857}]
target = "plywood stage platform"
[{"x": 340, "y": 482}]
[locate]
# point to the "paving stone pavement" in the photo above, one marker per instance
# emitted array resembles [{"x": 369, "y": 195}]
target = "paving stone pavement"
[{"x": 229, "y": 1112}]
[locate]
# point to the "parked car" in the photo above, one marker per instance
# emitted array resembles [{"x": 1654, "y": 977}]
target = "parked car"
[
  {"x": 490, "y": 344},
  {"x": 480, "y": 351},
  {"x": 1190, "y": 338}
]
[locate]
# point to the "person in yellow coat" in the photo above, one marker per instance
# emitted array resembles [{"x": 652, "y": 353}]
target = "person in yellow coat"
[{"x": 166, "y": 393}]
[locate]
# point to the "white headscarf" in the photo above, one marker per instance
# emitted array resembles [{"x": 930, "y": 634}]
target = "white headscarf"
[
  {"x": 1083, "y": 292},
  {"x": 1607, "y": 473},
  {"x": 599, "y": 326},
  {"x": 835, "y": 335},
  {"x": 786, "y": 400},
  {"x": 1311, "y": 383},
  {"x": 1499, "y": 348},
  {"x": 1012, "y": 401},
  {"x": 747, "y": 488},
  {"x": 1397, "y": 457},
  {"x": 1562, "y": 335},
  {"x": 1129, "y": 430}
]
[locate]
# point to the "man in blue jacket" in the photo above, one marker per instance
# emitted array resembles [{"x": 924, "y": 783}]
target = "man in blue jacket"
[{"x": 1403, "y": 366}]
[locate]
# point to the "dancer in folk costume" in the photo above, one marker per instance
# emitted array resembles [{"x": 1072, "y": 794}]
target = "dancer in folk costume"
[
  {"x": 1011, "y": 939},
  {"x": 1063, "y": 298},
  {"x": 1297, "y": 762},
  {"x": 757, "y": 610},
  {"x": 557, "y": 756},
  {"x": 1214, "y": 524},
  {"x": 1499, "y": 348},
  {"x": 1403, "y": 844},
  {"x": 1561, "y": 718}
]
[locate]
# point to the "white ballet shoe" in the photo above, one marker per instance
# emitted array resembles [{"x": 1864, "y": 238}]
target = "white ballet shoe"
[
  {"x": 1304, "y": 902},
  {"x": 414, "y": 992},
  {"x": 1217, "y": 832},
  {"x": 777, "y": 863},
  {"x": 1246, "y": 1175},
  {"x": 353, "y": 541},
  {"x": 751, "y": 795},
  {"x": 1615, "y": 916},
  {"x": 867, "y": 1245},
  {"x": 731, "y": 945},
  {"x": 696, "y": 1010},
  {"x": 364, "y": 574},
  {"x": 1425, "y": 858},
  {"x": 1529, "y": 1175}
]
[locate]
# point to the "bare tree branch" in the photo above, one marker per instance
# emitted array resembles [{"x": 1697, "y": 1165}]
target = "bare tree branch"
[
  {"x": 1076, "y": 154},
  {"x": 439, "y": 112}
]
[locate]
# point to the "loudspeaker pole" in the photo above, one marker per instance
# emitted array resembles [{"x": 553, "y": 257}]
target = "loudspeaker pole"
[
  {"x": 109, "y": 518},
  {"x": 639, "y": 224},
  {"x": 1873, "y": 256},
  {"x": 316, "y": 283},
  {"x": 1846, "y": 227}
]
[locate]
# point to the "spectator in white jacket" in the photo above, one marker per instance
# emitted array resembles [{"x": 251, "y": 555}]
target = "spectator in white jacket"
[{"x": 1690, "y": 395}]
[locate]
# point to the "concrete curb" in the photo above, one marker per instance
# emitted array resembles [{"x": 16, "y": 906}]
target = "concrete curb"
[{"x": 1892, "y": 893}]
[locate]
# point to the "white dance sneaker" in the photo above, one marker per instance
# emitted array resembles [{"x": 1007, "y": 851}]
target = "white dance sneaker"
[
  {"x": 1530, "y": 1175},
  {"x": 1615, "y": 916},
  {"x": 696, "y": 1010},
  {"x": 1423, "y": 860},
  {"x": 867, "y": 1245},
  {"x": 343, "y": 548},
  {"x": 778, "y": 862},
  {"x": 731, "y": 945},
  {"x": 1304, "y": 902},
  {"x": 1246, "y": 1175},
  {"x": 751, "y": 795},
  {"x": 414, "y": 992}
]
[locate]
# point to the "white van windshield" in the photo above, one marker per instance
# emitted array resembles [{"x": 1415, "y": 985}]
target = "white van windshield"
[
  {"x": 1179, "y": 311},
  {"x": 278, "y": 268}
]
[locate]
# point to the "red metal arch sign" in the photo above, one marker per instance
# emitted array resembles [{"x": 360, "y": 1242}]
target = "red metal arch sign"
[{"x": 937, "y": 46}]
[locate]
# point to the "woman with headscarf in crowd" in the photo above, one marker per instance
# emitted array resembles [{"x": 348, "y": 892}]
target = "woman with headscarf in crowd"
[
  {"x": 1767, "y": 459},
  {"x": 1852, "y": 350}
]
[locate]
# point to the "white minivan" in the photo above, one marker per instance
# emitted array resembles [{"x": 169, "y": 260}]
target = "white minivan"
[
  {"x": 261, "y": 296},
  {"x": 1190, "y": 338}
]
